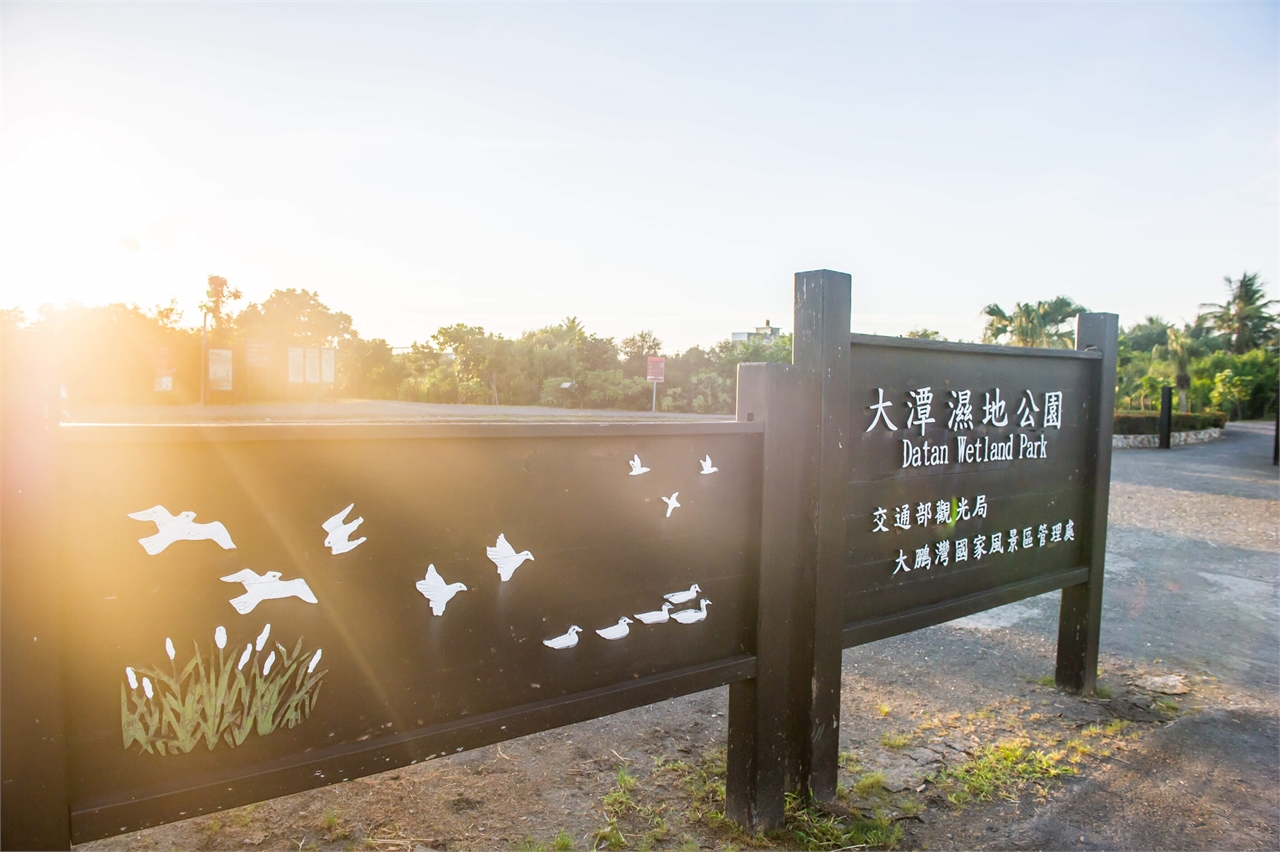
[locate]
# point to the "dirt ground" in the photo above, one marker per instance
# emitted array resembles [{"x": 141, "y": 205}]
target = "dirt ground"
[{"x": 951, "y": 737}]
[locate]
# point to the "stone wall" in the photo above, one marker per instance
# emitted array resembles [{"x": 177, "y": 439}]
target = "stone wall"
[{"x": 1176, "y": 439}]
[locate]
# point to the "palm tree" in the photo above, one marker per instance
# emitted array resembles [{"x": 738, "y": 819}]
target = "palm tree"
[
  {"x": 1180, "y": 349},
  {"x": 1242, "y": 319},
  {"x": 1039, "y": 324}
]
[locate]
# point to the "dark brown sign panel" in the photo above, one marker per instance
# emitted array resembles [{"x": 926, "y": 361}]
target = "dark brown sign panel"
[
  {"x": 333, "y": 596},
  {"x": 972, "y": 469}
]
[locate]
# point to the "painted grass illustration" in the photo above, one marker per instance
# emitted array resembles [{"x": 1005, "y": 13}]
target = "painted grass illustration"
[{"x": 216, "y": 698}]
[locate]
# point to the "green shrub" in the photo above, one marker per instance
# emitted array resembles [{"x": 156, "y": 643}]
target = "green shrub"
[{"x": 1148, "y": 423}]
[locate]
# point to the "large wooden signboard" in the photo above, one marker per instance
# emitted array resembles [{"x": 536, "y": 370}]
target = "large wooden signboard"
[{"x": 199, "y": 617}]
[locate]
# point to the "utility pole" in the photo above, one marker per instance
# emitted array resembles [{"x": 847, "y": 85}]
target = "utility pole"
[{"x": 203, "y": 367}]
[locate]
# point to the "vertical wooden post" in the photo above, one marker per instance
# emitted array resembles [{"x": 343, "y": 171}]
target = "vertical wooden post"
[
  {"x": 1166, "y": 416},
  {"x": 34, "y": 811},
  {"x": 821, "y": 351},
  {"x": 1080, "y": 616},
  {"x": 768, "y": 728}
]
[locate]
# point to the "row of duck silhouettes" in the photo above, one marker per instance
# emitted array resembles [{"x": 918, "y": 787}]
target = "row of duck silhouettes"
[{"x": 569, "y": 639}]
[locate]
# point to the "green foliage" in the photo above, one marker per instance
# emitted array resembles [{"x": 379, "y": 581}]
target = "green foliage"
[
  {"x": 1242, "y": 320},
  {"x": 217, "y": 698},
  {"x": 1038, "y": 324},
  {"x": 1148, "y": 423},
  {"x": 809, "y": 827},
  {"x": 1001, "y": 770}
]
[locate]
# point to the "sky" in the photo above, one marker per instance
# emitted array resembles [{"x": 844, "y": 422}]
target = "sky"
[{"x": 658, "y": 166}]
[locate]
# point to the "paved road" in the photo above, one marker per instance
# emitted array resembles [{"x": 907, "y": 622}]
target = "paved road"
[{"x": 1193, "y": 568}]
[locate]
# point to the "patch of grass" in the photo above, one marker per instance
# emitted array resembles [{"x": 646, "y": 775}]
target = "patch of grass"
[
  {"x": 884, "y": 709},
  {"x": 809, "y": 827},
  {"x": 1103, "y": 691},
  {"x": 908, "y": 806},
  {"x": 242, "y": 816},
  {"x": 333, "y": 829},
  {"x": 213, "y": 826},
  {"x": 869, "y": 783},
  {"x": 530, "y": 845},
  {"x": 895, "y": 741},
  {"x": 1047, "y": 680},
  {"x": 688, "y": 844},
  {"x": 608, "y": 837},
  {"x": 658, "y": 833},
  {"x": 562, "y": 842},
  {"x": 1001, "y": 770},
  {"x": 849, "y": 761},
  {"x": 1168, "y": 705},
  {"x": 618, "y": 800}
]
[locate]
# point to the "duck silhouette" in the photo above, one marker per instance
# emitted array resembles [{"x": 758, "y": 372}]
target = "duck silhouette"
[
  {"x": 706, "y": 466},
  {"x": 617, "y": 631},
  {"x": 672, "y": 503},
  {"x": 658, "y": 616},
  {"x": 435, "y": 589},
  {"x": 338, "y": 531},
  {"x": 179, "y": 527},
  {"x": 636, "y": 467},
  {"x": 565, "y": 640},
  {"x": 681, "y": 597},
  {"x": 689, "y": 616},
  {"x": 266, "y": 587},
  {"x": 505, "y": 557}
]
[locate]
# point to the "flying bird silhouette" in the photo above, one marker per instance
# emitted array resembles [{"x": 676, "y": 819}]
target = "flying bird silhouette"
[
  {"x": 565, "y": 640},
  {"x": 706, "y": 466},
  {"x": 266, "y": 587},
  {"x": 435, "y": 589},
  {"x": 689, "y": 616},
  {"x": 672, "y": 503},
  {"x": 636, "y": 467},
  {"x": 681, "y": 597},
  {"x": 505, "y": 557},
  {"x": 180, "y": 527},
  {"x": 337, "y": 539},
  {"x": 658, "y": 616}
]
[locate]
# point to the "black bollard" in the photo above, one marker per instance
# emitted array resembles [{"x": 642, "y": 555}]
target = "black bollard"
[{"x": 1166, "y": 415}]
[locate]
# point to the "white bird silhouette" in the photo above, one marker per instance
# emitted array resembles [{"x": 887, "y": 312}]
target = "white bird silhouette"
[
  {"x": 689, "y": 616},
  {"x": 565, "y": 640},
  {"x": 672, "y": 503},
  {"x": 338, "y": 531},
  {"x": 617, "y": 631},
  {"x": 266, "y": 587},
  {"x": 681, "y": 597},
  {"x": 505, "y": 557},
  {"x": 437, "y": 591},
  {"x": 706, "y": 466},
  {"x": 658, "y": 616},
  {"x": 636, "y": 467},
  {"x": 180, "y": 527}
]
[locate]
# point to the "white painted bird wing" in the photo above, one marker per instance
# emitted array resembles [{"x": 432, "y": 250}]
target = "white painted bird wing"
[
  {"x": 433, "y": 585},
  {"x": 302, "y": 590},
  {"x": 216, "y": 532},
  {"x": 155, "y": 513},
  {"x": 335, "y": 523},
  {"x": 244, "y": 575},
  {"x": 501, "y": 549}
]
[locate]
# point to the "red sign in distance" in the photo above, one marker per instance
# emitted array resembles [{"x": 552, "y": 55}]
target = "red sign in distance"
[{"x": 656, "y": 368}]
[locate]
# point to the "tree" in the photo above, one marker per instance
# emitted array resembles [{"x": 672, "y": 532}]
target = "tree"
[
  {"x": 217, "y": 296},
  {"x": 924, "y": 334},
  {"x": 295, "y": 317},
  {"x": 1039, "y": 324},
  {"x": 1242, "y": 319},
  {"x": 1146, "y": 335}
]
